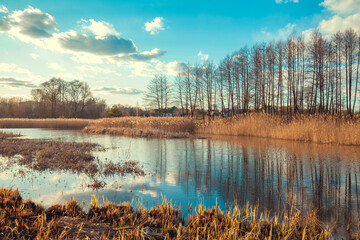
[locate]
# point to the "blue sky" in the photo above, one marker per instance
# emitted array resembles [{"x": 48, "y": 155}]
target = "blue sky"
[{"x": 116, "y": 46}]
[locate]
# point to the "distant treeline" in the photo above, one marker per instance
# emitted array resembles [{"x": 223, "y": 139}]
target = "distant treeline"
[
  {"x": 313, "y": 75},
  {"x": 56, "y": 98}
]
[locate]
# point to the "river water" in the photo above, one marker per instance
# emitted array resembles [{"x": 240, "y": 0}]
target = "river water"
[{"x": 276, "y": 175}]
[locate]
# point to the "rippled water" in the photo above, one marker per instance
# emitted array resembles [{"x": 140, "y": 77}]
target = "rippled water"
[{"x": 275, "y": 174}]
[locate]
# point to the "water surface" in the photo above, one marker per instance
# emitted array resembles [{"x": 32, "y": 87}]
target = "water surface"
[{"x": 277, "y": 175}]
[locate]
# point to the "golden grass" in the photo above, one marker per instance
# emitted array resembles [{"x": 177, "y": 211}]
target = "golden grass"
[
  {"x": 316, "y": 129},
  {"x": 321, "y": 129},
  {"x": 76, "y": 157},
  {"x": 22, "y": 219},
  {"x": 58, "y": 123},
  {"x": 176, "y": 127}
]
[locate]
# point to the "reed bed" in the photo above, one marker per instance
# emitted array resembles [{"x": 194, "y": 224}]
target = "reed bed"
[
  {"x": 22, "y": 219},
  {"x": 316, "y": 129},
  {"x": 175, "y": 127},
  {"x": 320, "y": 129},
  {"x": 58, "y": 123}
]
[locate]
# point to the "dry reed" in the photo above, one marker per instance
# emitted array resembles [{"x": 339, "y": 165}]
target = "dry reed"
[
  {"x": 321, "y": 129},
  {"x": 26, "y": 220},
  {"x": 176, "y": 127},
  {"x": 57, "y": 123},
  {"x": 316, "y": 129}
]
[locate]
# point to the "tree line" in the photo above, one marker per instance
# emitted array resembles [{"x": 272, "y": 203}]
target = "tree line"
[
  {"x": 56, "y": 98},
  {"x": 316, "y": 75}
]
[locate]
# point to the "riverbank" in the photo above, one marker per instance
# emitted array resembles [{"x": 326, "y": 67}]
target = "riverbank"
[
  {"x": 27, "y": 220},
  {"x": 314, "y": 129}
]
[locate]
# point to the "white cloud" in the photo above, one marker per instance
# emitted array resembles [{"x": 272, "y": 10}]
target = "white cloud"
[
  {"x": 203, "y": 56},
  {"x": 281, "y": 33},
  {"x": 31, "y": 23},
  {"x": 15, "y": 83},
  {"x": 143, "y": 56},
  {"x": 339, "y": 23},
  {"x": 342, "y": 6},
  {"x": 286, "y": 1},
  {"x": 155, "y": 25},
  {"x": 174, "y": 67},
  {"x": 307, "y": 34},
  {"x": 87, "y": 68},
  {"x": 3, "y": 9},
  {"x": 34, "y": 56},
  {"x": 97, "y": 42},
  {"x": 100, "y": 28},
  {"x": 55, "y": 66},
  {"x": 109, "y": 45},
  {"x": 68, "y": 76},
  {"x": 116, "y": 90},
  {"x": 14, "y": 68},
  {"x": 144, "y": 69},
  {"x": 287, "y": 30},
  {"x": 33, "y": 26},
  {"x": 87, "y": 59},
  {"x": 346, "y": 14}
]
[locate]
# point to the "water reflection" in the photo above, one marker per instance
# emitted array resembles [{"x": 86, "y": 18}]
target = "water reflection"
[{"x": 275, "y": 174}]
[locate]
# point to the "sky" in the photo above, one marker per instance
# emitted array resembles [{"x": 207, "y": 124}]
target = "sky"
[{"x": 118, "y": 46}]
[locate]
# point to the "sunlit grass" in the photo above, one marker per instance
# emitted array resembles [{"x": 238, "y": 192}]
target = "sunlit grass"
[
  {"x": 320, "y": 129},
  {"x": 143, "y": 126},
  {"x": 22, "y": 219},
  {"x": 316, "y": 129}
]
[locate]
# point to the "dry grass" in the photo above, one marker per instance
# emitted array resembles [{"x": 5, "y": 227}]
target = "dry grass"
[
  {"x": 41, "y": 155},
  {"x": 26, "y": 220},
  {"x": 321, "y": 129},
  {"x": 176, "y": 127},
  {"x": 316, "y": 129},
  {"x": 4, "y": 135},
  {"x": 58, "y": 123}
]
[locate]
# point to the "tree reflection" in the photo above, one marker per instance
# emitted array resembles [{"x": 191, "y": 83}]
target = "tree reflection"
[{"x": 277, "y": 175}]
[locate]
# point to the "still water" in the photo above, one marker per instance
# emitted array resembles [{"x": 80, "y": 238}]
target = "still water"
[{"x": 275, "y": 174}]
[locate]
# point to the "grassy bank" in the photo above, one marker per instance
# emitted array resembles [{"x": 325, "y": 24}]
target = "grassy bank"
[
  {"x": 176, "y": 127},
  {"x": 320, "y": 129},
  {"x": 58, "y": 123},
  {"x": 323, "y": 129},
  {"x": 22, "y": 219}
]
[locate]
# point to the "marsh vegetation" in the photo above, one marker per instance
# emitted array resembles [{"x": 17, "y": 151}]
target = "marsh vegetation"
[
  {"x": 26, "y": 219},
  {"x": 76, "y": 157}
]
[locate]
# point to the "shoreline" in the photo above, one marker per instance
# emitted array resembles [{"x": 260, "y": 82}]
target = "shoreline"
[{"x": 311, "y": 129}]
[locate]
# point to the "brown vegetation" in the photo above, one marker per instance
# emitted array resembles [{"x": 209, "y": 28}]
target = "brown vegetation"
[
  {"x": 56, "y": 123},
  {"x": 321, "y": 129},
  {"x": 176, "y": 127},
  {"x": 307, "y": 128},
  {"x": 27, "y": 220},
  {"x": 4, "y": 135},
  {"x": 43, "y": 155}
]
